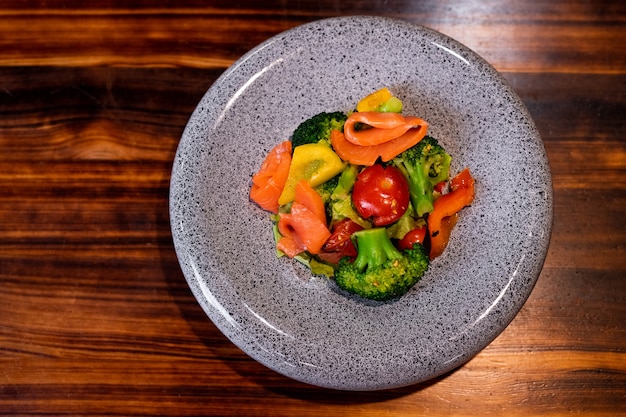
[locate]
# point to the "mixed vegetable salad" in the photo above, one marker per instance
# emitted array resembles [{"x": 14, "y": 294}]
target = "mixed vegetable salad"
[{"x": 365, "y": 198}]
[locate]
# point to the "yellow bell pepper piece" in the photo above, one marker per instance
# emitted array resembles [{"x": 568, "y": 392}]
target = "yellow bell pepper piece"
[
  {"x": 314, "y": 162},
  {"x": 373, "y": 100}
]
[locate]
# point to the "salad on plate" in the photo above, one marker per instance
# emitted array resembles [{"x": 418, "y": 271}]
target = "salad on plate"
[{"x": 365, "y": 198}]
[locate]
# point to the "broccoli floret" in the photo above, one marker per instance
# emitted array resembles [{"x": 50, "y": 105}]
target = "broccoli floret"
[
  {"x": 318, "y": 128},
  {"x": 325, "y": 190},
  {"x": 380, "y": 271},
  {"x": 424, "y": 165}
]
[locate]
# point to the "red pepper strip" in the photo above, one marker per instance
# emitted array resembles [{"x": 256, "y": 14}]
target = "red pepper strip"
[{"x": 461, "y": 195}]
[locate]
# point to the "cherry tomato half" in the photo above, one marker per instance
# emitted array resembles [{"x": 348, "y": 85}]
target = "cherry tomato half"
[
  {"x": 381, "y": 194},
  {"x": 339, "y": 243},
  {"x": 417, "y": 235}
]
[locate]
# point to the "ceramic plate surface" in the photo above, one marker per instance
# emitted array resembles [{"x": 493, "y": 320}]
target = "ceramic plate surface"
[{"x": 303, "y": 326}]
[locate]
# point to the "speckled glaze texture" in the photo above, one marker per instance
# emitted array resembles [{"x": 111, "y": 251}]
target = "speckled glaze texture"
[{"x": 303, "y": 326}]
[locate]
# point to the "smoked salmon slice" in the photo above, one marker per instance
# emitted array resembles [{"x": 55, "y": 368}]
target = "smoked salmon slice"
[
  {"x": 304, "y": 227},
  {"x": 376, "y": 127},
  {"x": 308, "y": 197},
  {"x": 368, "y": 155},
  {"x": 269, "y": 181}
]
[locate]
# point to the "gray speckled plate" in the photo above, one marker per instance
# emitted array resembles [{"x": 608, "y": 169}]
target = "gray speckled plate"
[{"x": 303, "y": 326}]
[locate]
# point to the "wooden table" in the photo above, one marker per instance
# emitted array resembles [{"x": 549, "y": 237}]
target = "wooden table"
[{"x": 95, "y": 315}]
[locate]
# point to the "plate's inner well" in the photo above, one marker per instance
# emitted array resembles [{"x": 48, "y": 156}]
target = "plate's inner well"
[{"x": 301, "y": 325}]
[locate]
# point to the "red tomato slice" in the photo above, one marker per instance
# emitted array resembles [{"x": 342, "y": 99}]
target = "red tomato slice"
[{"x": 339, "y": 244}]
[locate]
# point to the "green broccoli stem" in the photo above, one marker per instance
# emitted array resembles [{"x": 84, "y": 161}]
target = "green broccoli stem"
[
  {"x": 420, "y": 187},
  {"x": 345, "y": 182},
  {"x": 374, "y": 248},
  {"x": 341, "y": 200}
]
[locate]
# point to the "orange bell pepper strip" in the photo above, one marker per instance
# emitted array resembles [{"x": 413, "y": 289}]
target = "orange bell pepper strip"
[{"x": 443, "y": 217}]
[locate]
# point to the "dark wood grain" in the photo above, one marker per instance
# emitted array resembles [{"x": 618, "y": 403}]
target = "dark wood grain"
[{"x": 95, "y": 316}]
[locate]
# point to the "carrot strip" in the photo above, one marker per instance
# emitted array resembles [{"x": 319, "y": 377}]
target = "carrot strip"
[
  {"x": 269, "y": 181},
  {"x": 461, "y": 195}
]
